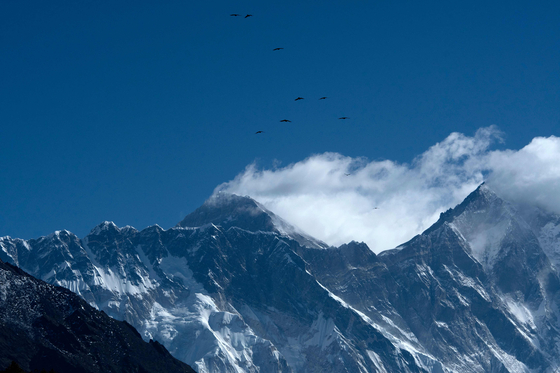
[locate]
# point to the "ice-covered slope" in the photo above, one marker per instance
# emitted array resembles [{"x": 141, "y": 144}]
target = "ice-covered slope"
[
  {"x": 476, "y": 291},
  {"x": 133, "y": 276},
  {"x": 478, "y": 280}
]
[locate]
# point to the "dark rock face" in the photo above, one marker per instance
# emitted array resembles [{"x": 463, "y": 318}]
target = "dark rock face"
[
  {"x": 230, "y": 210},
  {"x": 235, "y": 288},
  {"x": 49, "y": 327}
]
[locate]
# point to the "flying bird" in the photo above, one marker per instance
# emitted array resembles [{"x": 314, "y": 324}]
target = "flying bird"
[
  {"x": 322, "y": 98},
  {"x": 285, "y": 120},
  {"x": 259, "y": 132},
  {"x": 277, "y": 49},
  {"x": 299, "y": 98},
  {"x": 248, "y": 15},
  {"x": 235, "y": 15},
  {"x": 347, "y": 174},
  {"x": 343, "y": 118}
]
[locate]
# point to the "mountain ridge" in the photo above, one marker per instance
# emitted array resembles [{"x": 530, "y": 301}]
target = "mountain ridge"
[{"x": 475, "y": 292}]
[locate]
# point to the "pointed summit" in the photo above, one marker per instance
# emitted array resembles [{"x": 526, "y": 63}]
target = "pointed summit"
[
  {"x": 480, "y": 199},
  {"x": 230, "y": 210},
  {"x": 499, "y": 238},
  {"x": 106, "y": 226}
]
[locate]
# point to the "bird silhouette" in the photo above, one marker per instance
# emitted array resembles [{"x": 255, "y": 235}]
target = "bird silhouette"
[
  {"x": 322, "y": 98},
  {"x": 248, "y": 15},
  {"x": 343, "y": 118},
  {"x": 285, "y": 120},
  {"x": 235, "y": 15},
  {"x": 347, "y": 174},
  {"x": 299, "y": 98},
  {"x": 277, "y": 49},
  {"x": 259, "y": 132}
]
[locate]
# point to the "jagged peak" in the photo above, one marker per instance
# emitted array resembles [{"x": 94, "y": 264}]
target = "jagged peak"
[
  {"x": 484, "y": 191},
  {"x": 482, "y": 195},
  {"x": 231, "y": 210},
  {"x": 228, "y": 210},
  {"x": 477, "y": 203},
  {"x": 353, "y": 244},
  {"x": 355, "y": 248},
  {"x": 56, "y": 235},
  {"x": 481, "y": 222},
  {"x": 103, "y": 227},
  {"x": 149, "y": 230}
]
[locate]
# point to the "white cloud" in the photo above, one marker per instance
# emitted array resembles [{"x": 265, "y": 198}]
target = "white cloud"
[
  {"x": 385, "y": 203},
  {"x": 530, "y": 175}
]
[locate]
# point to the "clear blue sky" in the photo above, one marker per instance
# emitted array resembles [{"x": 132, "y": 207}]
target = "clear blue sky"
[{"x": 134, "y": 111}]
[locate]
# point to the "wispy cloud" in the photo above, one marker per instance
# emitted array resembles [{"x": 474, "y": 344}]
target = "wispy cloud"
[{"x": 384, "y": 203}]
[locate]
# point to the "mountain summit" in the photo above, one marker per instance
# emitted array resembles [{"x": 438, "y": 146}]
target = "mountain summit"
[{"x": 230, "y": 210}]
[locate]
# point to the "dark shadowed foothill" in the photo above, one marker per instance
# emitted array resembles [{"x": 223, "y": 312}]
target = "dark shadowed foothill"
[{"x": 46, "y": 327}]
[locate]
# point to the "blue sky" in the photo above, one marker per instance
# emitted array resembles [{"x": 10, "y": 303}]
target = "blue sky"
[{"x": 134, "y": 111}]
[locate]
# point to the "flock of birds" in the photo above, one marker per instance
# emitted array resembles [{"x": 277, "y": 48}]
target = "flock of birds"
[
  {"x": 277, "y": 49},
  {"x": 297, "y": 99}
]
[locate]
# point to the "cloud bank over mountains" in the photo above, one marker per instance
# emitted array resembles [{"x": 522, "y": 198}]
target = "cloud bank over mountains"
[{"x": 384, "y": 203}]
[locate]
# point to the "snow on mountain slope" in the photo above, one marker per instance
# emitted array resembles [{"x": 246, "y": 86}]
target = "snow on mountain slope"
[
  {"x": 160, "y": 297},
  {"x": 217, "y": 298},
  {"x": 475, "y": 291},
  {"x": 234, "y": 288},
  {"x": 546, "y": 227},
  {"x": 517, "y": 275}
]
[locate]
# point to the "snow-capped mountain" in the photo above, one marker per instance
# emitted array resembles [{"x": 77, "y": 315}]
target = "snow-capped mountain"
[
  {"x": 479, "y": 292},
  {"x": 234, "y": 288},
  {"x": 45, "y": 327}
]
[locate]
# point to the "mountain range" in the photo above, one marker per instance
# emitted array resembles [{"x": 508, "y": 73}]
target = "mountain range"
[{"x": 235, "y": 288}]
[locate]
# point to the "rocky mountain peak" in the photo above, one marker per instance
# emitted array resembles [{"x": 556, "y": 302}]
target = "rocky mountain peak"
[
  {"x": 104, "y": 228},
  {"x": 481, "y": 199},
  {"x": 229, "y": 210}
]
